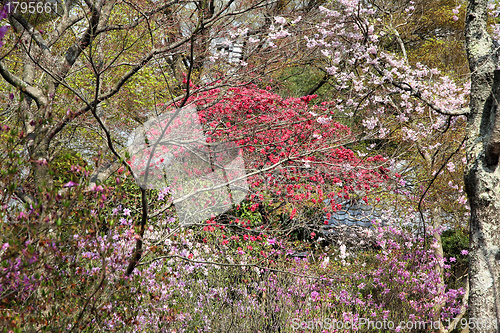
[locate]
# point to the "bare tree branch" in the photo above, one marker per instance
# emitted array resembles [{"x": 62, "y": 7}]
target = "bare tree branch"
[{"x": 20, "y": 84}]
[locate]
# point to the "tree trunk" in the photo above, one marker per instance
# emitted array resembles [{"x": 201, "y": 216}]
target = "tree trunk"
[{"x": 482, "y": 176}]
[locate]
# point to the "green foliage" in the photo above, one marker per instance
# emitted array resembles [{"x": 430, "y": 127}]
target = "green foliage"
[
  {"x": 246, "y": 212},
  {"x": 431, "y": 35},
  {"x": 61, "y": 166},
  {"x": 454, "y": 242},
  {"x": 298, "y": 80}
]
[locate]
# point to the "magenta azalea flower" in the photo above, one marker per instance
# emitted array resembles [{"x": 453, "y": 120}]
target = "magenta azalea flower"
[{"x": 70, "y": 184}]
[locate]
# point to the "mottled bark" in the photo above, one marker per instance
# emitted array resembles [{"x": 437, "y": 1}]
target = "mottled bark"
[
  {"x": 207, "y": 12},
  {"x": 482, "y": 177}
]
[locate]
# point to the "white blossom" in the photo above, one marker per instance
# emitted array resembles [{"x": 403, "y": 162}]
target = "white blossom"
[{"x": 280, "y": 20}]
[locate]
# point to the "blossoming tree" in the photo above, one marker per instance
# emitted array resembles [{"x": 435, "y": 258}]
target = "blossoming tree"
[{"x": 295, "y": 153}]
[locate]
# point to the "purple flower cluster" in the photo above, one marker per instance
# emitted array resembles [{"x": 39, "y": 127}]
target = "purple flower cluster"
[
  {"x": 180, "y": 285},
  {"x": 3, "y": 29}
]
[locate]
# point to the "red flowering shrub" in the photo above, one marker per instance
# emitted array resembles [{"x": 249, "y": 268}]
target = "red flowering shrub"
[{"x": 294, "y": 153}]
